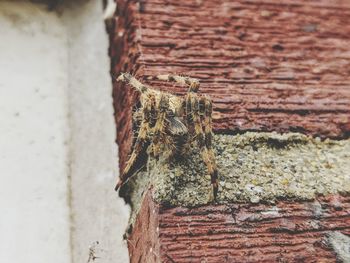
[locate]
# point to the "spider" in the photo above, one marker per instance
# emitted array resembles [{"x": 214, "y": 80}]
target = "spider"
[{"x": 166, "y": 122}]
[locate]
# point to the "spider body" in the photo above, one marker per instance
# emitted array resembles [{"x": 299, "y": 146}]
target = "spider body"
[{"x": 166, "y": 123}]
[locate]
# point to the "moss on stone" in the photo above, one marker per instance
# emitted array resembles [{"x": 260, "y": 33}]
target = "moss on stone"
[{"x": 253, "y": 167}]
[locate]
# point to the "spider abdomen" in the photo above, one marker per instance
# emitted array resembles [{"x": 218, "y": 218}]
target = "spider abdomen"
[{"x": 179, "y": 134}]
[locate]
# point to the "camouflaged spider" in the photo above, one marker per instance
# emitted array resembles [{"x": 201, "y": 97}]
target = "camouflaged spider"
[{"x": 169, "y": 122}]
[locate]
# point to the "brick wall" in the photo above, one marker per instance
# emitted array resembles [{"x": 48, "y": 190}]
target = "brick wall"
[{"x": 268, "y": 66}]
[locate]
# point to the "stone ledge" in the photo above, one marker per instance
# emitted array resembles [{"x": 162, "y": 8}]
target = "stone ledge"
[{"x": 253, "y": 168}]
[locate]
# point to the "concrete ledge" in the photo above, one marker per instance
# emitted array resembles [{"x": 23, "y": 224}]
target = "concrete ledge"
[
  {"x": 278, "y": 198},
  {"x": 253, "y": 167}
]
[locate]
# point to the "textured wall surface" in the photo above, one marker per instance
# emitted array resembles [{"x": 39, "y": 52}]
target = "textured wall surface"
[
  {"x": 268, "y": 66},
  {"x": 284, "y": 232}
]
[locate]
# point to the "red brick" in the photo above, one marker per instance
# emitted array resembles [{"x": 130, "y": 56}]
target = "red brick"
[
  {"x": 294, "y": 232},
  {"x": 268, "y": 65}
]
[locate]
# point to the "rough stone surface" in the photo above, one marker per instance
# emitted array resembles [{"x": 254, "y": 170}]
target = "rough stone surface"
[
  {"x": 268, "y": 65},
  {"x": 253, "y": 167},
  {"x": 284, "y": 232}
]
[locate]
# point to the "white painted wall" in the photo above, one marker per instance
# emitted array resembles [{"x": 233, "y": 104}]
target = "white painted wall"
[
  {"x": 56, "y": 131},
  {"x": 34, "y": 219},
  {"x": 98, "y": 213}
]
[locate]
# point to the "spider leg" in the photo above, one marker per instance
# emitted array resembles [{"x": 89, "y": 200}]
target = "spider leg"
[
  {"x": 203, "y": 137},
  {"x": 140, "y": 146},
  {"x": 187, "y": 105},
  {"x": 192, "y": 83},
  {"x": 181, "y": 127},
  {"x": 206, "y": 110},
  {"x": 142, "y": 142},
  {"x": 160, "y": 124},
  {"x": 132, "y": 81},
  {"x": 208, "y": 155}
]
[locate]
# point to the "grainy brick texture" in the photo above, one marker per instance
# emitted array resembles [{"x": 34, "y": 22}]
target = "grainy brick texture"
[
  {"x": 268, "y": 65},
  {"x": 285, "y": 232}
]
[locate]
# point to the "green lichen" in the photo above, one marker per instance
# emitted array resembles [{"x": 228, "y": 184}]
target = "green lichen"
[{"x": 253, "y": 167}]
